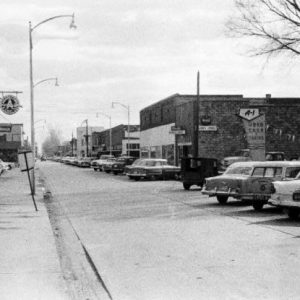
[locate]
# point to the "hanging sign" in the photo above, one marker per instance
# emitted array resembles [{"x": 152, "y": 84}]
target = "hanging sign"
[{"x": 9, "y": 104}]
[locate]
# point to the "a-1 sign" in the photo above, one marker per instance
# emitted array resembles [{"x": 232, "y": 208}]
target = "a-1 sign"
[{"x": 249, "y": 113}]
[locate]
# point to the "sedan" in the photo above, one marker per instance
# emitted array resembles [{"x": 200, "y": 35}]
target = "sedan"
[
  {"x": 153, "y": 169},
  {"x": 286, "y": 195}
]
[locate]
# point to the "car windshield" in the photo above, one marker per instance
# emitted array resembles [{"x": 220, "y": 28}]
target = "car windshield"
[
  {"x": 292, "y": 172},
  {"x": 239, "y": 171}
]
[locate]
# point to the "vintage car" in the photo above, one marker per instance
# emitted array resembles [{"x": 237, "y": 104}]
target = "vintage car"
[
  {"x": 107, "y": 165},
  {"x": 97, "y": 163},
  {"x": 194, "y": 170},
  {"x": 245, "y": 155},
  {"x": 286, "y": 195},
  {"x": 250, "y": 181},
  {"x": 84, "y": 162},
  {"x": 153, "y": 168},
  {"x": 121, "y": 162},
  {"x": 7, "y": 165}
]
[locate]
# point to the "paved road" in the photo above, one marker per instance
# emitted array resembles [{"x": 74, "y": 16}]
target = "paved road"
[{"x": 153, "y": 240}]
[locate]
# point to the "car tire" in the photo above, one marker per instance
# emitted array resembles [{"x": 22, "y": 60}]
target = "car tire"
[
  {"x": 115, "y": 173},
  {"x": 222, "y": 199},
  {"x": 137, "y": 178},
  {"x": 258, "y": 206},
  {"x": 186, "y": 186},
  {"x": 130, "y": 177},
  {"x": 95, "y": 169},
  {"x": 293, "y": 213}
]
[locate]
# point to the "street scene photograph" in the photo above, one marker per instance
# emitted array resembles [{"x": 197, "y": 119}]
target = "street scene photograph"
[{"x": 150, "y": 150}]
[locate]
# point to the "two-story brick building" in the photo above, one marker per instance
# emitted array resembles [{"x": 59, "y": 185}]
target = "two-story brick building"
[
  {"x": 120, "y": 142},
  {"x": 170, "y": 125}
]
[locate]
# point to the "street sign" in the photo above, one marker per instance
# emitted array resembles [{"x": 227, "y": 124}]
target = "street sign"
[
  {"x": 10, "y": 104},
  {"x": 179, "y": 131},
  {"x": 208, "y": 128}
]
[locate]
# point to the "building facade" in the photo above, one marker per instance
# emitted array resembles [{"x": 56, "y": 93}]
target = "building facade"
[
  {"x": 121, "y": 143},
  {"x": 84, "y": 139},
  {"x": 11, "y": 141},
  {"x": 223, "y": 129}
]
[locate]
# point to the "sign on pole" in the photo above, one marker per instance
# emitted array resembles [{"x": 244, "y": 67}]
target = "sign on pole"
[{"x": 26, "y": 164}]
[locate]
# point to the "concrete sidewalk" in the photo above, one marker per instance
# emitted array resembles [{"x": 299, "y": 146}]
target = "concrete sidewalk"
[{"x": 29, "y": 264}]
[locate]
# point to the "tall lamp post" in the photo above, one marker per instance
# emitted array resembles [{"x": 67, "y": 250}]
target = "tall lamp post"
[
  {"x": 110, "y": 133},
  {"x": 31, "y": 29},
  {"x": 128, "y": 133}
]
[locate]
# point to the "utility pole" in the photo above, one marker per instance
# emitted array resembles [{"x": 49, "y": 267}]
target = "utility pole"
[
  {"x": 87, "y": 138},
  {"x": 196, "y": 119}
]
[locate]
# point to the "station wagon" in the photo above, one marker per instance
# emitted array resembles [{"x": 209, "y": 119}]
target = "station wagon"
[{"x": 250, "y": 181}]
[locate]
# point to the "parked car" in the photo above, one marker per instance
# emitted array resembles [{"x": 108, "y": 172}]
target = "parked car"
[
  {"x": 97, "y": 163},
  {"x": 107, "y": 165},
  {"x": 121, "y": 162},
  {"x": 127, "y": 168},
  {"x": 286, "y": 195},
  {"x": 250, "y": 181},
  {"x": 153, "y": 169},
  {"x": 7, "y": 165},
  {"x": 195, "y": 170},
  {"x": 244, "y": 155},
  {"x": 84, "y": 162}
]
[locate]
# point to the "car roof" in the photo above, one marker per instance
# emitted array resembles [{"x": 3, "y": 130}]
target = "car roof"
[
  {"x": 280, "y": 163},
  {"x": 153, "y": 159}
]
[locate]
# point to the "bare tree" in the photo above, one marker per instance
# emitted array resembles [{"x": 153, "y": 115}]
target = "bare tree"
[
  {"x": 52, "y": 142},
  {"x": 274, "y": 24}
]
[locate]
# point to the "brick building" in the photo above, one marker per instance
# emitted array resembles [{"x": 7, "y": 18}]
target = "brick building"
[
  {"x": 169, "y": 124},
  {"x": 119, "y": 142}
]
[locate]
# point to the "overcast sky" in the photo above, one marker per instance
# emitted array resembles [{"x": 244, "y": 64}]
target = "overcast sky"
[{"x": 134, "y": 52}]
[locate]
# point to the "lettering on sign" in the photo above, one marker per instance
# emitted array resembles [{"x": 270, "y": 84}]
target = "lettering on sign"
[
  {"x": 249, "y": 113},
  {"x": 208, "y": 128}
]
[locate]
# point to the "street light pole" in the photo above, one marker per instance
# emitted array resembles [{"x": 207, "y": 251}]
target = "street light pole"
[
  {"x": 31, "y": 29},
  {"x": 110, "y": 131},
  {"x": 128, "y": 133}
]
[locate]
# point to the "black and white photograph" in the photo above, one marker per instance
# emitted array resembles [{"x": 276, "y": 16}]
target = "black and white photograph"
[{"x": 149, "y": 150}]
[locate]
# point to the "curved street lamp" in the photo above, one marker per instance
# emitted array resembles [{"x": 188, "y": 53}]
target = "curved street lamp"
[
  {"x": 47, "y": 79},
  {"x": 110, "y": 133},
  {"x": 128, "y": 133},
  {"x": 31, "y": 29}
]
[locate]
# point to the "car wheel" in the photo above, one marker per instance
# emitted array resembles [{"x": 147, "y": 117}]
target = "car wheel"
[
  {"x": 130, "y": 177},
  {"x": 186, "y": 186},
  {"x": 293, "y": 213},
  {"x": 258, "y": 206},
  {"x": 115, "y": 173},
  {"x": 137, "y": 178},
  {"x": 95, "y": 169},
  {"x": 222, "y": 199}
]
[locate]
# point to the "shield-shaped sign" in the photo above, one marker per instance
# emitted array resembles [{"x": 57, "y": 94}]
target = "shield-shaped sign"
[{"x": 249, "y": 113}]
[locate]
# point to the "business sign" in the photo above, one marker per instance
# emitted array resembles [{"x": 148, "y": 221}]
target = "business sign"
[
  {"x": 249, "y": 113},
  {"x": 206, "y": 120},
  {"x": 179, "y": 131},
  {"x": 208, "y": 128},
  {"x": 5, "y": 127},
  {"x": 9, "y": 104}
]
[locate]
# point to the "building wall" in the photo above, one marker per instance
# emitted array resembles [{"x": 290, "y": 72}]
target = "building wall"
[
  {"x": 282, "y": 123},
  {"x": 81, "y": 140}
]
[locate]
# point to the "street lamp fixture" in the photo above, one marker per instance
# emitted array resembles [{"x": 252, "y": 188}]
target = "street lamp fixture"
[
  {"x": 128, "y": 133},
  {"x": 31, "y": 29},
  {"x": 47, "y": 79},
  {"x": 110, "y": 133}
]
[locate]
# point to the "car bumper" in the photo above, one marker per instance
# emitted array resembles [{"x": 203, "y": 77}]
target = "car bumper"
[{"x": 284, "y": 203}]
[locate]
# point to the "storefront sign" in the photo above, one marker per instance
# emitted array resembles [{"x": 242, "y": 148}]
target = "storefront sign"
[
  {"x": 180, "y": 131},
  {"x": 206, "y": 120},
  {"x": 10, "y": 104},
  {"x": 208, "y": 128},
  {"x": 249, "y": 113},
  {"x": 5, "y": 127}
]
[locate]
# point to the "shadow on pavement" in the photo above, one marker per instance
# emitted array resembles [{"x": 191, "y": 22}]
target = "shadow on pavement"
[
  {"x": 282, "y": 222},
  {"x": 268, "y": 211}
]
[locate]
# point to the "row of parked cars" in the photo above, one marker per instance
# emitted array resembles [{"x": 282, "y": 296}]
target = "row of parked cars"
[
  {"x": 268, "y": 182},
  {"x": 257, "y": 182}
]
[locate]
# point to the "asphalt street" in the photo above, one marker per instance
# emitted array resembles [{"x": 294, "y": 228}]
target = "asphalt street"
[{"x": 154, "y": 240}]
